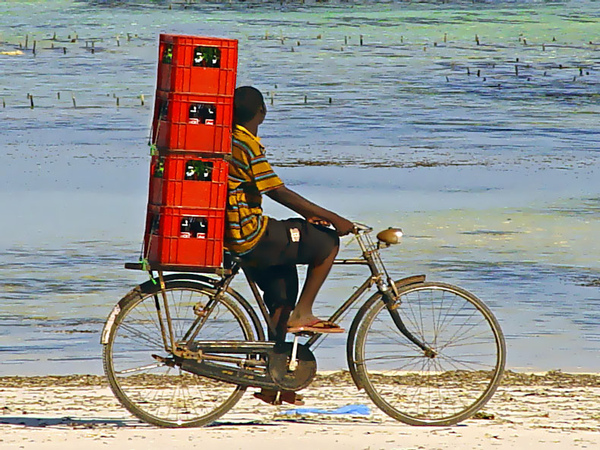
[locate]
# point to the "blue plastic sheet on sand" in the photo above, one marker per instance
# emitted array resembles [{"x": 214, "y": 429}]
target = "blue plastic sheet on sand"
[{"x": 361, "y": 410}]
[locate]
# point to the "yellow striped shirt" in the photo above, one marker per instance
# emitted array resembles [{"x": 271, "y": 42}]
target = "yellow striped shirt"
[{"x": 250, "y": 176}]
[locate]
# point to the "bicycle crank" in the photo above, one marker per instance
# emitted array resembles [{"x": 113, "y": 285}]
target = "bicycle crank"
[{"x": 291, "y": 370}]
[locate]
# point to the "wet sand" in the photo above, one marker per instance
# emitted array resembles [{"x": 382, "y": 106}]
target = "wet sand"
[{"x": 551, "y": 410}]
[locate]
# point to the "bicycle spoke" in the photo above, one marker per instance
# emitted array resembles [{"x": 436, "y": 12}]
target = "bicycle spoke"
[
  {"x": 139, "y": 369},
  {"x": 141, "y": 337}
]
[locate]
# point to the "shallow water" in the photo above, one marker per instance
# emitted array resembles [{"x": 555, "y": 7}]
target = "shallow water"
[{"x": 492, "y": 174}]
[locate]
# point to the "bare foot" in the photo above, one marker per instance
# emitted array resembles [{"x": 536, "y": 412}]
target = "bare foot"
[{"x": 298, "y": 321}]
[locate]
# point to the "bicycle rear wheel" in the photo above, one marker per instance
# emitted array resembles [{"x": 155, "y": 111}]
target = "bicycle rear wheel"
[
  {"x": 134, "y": 355},
  {"x": 420, "y": 389}
]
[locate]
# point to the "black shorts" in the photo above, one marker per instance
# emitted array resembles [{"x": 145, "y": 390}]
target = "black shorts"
[{"x": 286, "y": 243}]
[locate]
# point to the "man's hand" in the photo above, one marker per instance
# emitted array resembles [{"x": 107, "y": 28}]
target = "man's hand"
[
  {"x": 319, "y": 221},
  {"x": 343, "y": 226}
]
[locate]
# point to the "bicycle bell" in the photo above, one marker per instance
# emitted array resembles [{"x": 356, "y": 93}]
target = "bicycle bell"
[{"x": 389, "y": 237}]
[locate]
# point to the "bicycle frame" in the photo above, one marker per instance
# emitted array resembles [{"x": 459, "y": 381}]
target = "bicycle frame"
[{"x": 380, "y": 277}]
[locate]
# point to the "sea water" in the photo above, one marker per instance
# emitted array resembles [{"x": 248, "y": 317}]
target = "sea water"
[{"x": 472, "y": 126}]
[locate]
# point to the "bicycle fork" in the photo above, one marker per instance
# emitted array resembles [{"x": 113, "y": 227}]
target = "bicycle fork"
[{"x": 392, "y": 307}]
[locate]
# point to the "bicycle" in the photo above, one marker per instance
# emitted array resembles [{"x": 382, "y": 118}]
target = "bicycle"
[{"x": 180, "y": 350}]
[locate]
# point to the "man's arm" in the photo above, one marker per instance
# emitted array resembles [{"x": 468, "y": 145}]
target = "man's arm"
[{"x": 309, "y": 210}]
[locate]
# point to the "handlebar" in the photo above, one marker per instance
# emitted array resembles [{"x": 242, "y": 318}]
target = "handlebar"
[{"x": 361, "y": 228}]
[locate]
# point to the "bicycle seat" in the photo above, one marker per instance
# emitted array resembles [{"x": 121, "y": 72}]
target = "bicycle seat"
[
  {"x": 229, "y": 260},
  {"x": 390, "y": 236}
]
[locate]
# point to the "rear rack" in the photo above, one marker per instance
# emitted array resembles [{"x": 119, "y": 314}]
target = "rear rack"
[{"x": 176, "y": 268}]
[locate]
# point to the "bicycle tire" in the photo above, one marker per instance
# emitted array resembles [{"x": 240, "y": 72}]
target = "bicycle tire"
[
  {"x": 162, "y": 395},
  {"x": 415, "y": 388}
]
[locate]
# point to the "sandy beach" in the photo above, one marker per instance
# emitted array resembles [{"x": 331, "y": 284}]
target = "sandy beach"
[{"x": 535, "y": 411}]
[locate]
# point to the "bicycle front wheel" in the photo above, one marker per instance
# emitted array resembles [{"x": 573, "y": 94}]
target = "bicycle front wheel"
[
  {"x": 442, "y": 387},
  {"x": 136, "y": 362}
]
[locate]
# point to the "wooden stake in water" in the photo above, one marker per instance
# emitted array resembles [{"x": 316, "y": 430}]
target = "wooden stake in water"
[
  {"x": 74, "y": 102},
  {"x": 142, "y": 99},
  {"x": 31, "y": 101}
]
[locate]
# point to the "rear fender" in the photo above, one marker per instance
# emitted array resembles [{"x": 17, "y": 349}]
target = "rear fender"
[{"x": 149, "y": 287}]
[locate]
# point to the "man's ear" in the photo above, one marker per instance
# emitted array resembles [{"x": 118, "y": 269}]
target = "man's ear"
[{"x": 262, "y": 112}]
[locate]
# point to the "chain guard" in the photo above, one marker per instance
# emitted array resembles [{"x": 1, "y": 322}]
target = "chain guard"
[{"x": 278, "y": 366}]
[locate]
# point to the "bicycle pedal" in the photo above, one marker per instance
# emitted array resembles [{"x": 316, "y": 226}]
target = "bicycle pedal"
[{"x": 304, "y": 333}]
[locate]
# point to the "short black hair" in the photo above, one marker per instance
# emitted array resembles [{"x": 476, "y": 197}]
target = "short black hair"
[{"x": 247, "y": 101}]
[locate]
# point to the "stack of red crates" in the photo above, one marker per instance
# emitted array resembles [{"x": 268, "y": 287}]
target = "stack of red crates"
[{"x": 192, "y": 134}]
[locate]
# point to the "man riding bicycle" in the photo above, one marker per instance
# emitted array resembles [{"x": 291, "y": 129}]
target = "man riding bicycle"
[{"x": 270, "y": 249}]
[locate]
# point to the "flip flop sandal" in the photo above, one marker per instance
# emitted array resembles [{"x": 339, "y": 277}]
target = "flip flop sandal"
[{"x": 318, "y": 326}]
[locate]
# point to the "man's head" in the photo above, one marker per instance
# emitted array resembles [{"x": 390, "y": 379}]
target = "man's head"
[{"x": 248, "y": 105}]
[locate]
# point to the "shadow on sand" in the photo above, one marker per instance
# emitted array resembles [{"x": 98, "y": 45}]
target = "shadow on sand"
[
  {"x": 101, "y": 422},
  {"x": 41, "y": 422}
]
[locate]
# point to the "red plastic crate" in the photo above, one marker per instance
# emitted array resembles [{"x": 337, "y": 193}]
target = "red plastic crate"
[
  {"x": 192, "y": 64},
  {"x": 172, "y": 239},
  {"x": 188, "y": 181},
  {"x": 191, "y": 122}
]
